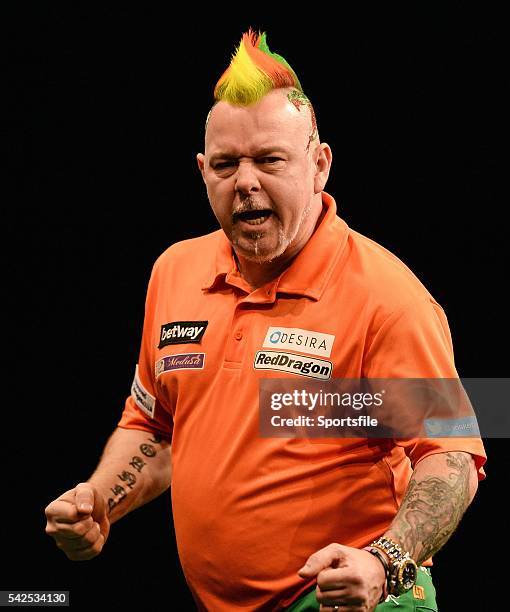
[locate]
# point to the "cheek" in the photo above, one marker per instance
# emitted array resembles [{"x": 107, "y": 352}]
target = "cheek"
[
  {"x": 220, "y": 190},
  {"x": 221, "y": 204},
  {"x": 217, "y": 192},
  {"x": 292, "y": 199}
]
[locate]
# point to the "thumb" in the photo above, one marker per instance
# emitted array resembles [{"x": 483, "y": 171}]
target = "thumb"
[
  {"x": 84, "y": 497},
  {"x": 323, "y": 558},
  {"x": 99, "y": 511}
]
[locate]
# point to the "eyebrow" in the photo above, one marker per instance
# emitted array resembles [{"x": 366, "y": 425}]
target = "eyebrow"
[{"x": 260, "y": 153}]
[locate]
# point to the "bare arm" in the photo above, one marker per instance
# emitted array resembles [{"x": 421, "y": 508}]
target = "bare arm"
[
  {"x": 441, "y": 488},
  {"x": 134, "y": 469},
  {"x": 439, "y": 492}
]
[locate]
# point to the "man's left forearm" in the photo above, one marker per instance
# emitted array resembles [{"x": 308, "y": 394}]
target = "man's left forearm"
[{"x": 441, "y": 488}]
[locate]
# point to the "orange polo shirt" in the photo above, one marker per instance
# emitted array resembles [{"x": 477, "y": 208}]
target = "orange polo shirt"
[{"x": 248, "y": 510}]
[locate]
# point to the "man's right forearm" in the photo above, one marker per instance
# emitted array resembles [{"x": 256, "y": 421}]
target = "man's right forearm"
[{"x": 134, "y": 469}]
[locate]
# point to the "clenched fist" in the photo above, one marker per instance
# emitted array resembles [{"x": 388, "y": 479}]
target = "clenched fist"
[
  {"x": 78, "y": 522},
  {"x": 347, "y": 578}
]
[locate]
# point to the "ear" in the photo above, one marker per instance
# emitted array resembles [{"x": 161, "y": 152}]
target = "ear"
[
  {"x": 201, "y": 164},
  {"x": 324, "y": 157}
]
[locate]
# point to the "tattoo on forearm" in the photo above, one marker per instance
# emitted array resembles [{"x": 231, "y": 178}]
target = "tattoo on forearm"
[
  {"x": 137, "y": 463},
  {"x": 432, "y": 509},
  {"x": 148, "y": 450},
  {"x": 127, "y": 477},
  {"x": 120, "y": 494}
]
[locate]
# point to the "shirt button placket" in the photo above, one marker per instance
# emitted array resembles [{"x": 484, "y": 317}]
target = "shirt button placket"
[{"x": 236, "y": 338}]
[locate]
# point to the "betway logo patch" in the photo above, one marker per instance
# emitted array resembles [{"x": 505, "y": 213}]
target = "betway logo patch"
[
  {"x": 299, "y": 340},
  {"x": 295, "y": 364},
  {"x": 182, "y": 332}
]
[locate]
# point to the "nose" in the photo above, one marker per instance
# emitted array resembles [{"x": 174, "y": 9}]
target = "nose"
[{"x": 247, "y": 180}]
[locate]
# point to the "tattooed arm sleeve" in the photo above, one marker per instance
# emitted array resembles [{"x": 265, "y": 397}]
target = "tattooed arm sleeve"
[{"x": 439, "y": 492}]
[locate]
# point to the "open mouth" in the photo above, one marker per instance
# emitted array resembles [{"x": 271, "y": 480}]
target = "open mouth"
[{"x": 253, "y": 217}]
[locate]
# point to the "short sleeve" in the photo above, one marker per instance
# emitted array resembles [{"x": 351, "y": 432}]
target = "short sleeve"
[
  {"x": 415, "y": 342},
  {"x": 143, "y": 409}
]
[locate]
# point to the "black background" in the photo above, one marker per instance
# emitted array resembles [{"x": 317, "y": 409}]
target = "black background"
[{"x": 105, "y": 114}]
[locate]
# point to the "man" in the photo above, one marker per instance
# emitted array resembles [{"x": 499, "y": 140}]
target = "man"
[{"x": 278, "y": 523}]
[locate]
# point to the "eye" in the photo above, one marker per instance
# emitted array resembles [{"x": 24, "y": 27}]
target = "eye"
[
  {"x": 269, "y": 160},
  {"x": 225, "y": 164}
]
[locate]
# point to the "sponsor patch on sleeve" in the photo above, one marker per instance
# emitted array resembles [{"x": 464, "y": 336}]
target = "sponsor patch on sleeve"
[{"x": 142, "y": 398}]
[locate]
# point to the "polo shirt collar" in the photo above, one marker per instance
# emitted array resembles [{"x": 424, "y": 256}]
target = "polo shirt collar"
[{"x": 307, "y": 275}]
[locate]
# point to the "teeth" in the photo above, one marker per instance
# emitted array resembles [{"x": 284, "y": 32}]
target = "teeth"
[
  {"x": 257, "y": 221},
  {"x": 254, "y": 217}
]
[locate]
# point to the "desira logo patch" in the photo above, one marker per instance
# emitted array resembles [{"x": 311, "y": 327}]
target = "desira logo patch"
[
  {"x": 301, "y": 340},
  {"x": 182, "y": 332}
]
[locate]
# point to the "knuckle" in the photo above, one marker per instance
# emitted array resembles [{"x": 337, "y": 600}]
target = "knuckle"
[
  {"x": 49, "y": 511},
  {"x": 75, "y": 531},
  {"x": 78, "y": 529},
  {"x": 92, "y": 535},
  {"x": 50, "y": 529},
  {"x": 81, "y": 485},
  {"x": 321, "y": 580},
  {"x": 83, "y": 527},
  {"x": 313, "y": 558},
  {"x": 98, "y": 545}
]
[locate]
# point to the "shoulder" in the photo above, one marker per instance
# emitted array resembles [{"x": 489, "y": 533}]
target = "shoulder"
[
  {"x": 384, "y": 281},
  {"x": 189, "y": 257},
  {"x": 190, "y": 249}
]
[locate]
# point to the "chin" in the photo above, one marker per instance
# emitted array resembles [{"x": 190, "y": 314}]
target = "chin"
[{"x": 261, "y": 255}]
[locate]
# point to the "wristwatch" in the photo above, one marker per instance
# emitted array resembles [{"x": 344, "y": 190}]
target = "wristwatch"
[{"x": 402, "y": 572}]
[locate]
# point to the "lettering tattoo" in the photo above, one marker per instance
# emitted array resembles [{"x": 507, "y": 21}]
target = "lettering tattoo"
[
  {"x": 432, "y": 508},
  {"x": 128, "y": 478},
  {"x": 148, "y": 450},
  {"x": 137, "y": 463},
  {"x": 119, "y": 491}
]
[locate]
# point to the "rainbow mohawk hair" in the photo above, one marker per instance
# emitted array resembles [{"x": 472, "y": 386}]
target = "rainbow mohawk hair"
[{"x": 253, "y": 72}]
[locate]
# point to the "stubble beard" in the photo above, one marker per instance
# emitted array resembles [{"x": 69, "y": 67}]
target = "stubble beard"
[{"x": 281, "y": 245}]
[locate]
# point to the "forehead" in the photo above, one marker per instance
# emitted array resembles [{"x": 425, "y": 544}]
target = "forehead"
[{"x": 274, "y": 121}]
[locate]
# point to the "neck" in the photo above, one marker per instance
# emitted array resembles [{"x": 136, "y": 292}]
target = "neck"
[{"x": 259, "y": 274}]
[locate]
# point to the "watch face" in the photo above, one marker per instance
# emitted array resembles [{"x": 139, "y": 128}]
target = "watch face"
[{"x": 408, "y": 574}]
